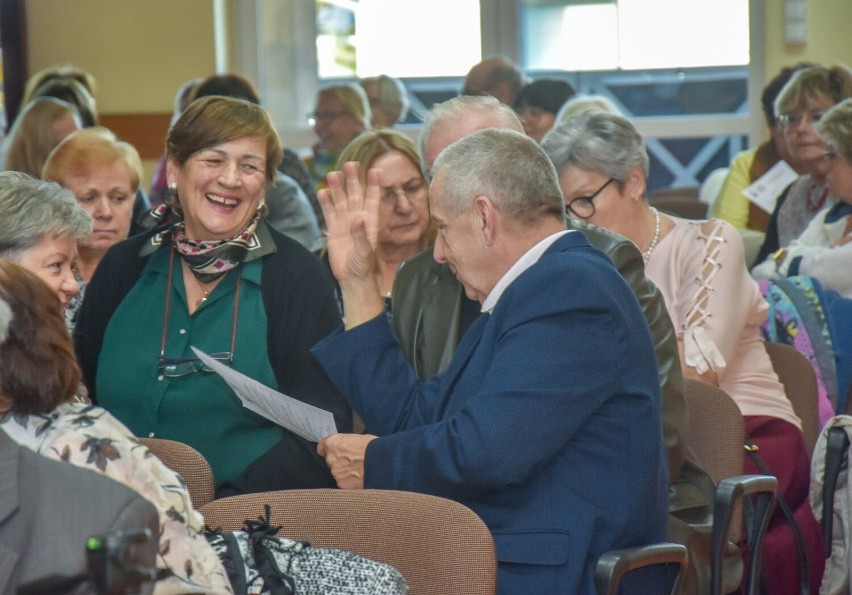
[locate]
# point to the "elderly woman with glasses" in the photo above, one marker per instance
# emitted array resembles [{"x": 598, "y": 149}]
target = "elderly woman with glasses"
[
  {"x": 342, "y": 112},
  {"x": 714, "y": 304},
  {"x": 824, "y": 248},
  {"x": 222, "y": 280},
  {"x": 808, "y": 94}
]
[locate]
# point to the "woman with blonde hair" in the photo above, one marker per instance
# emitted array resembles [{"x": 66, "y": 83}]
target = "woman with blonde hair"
[
  {"x": 404, "y": 222},
  {"x": 41, "y": 126},
  {"x": 800, "y": 105},
  {"x": 103, "y": 173}
]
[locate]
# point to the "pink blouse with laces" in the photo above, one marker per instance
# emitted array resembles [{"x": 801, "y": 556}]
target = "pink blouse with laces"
[{"x": 717, "y": 310}]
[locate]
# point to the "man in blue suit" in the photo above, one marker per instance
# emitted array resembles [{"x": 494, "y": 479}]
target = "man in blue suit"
[{"x": 547, "y": 421}]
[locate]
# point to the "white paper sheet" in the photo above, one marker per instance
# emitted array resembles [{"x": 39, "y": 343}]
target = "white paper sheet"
[
  {"x": 307, "y": 421},
  {"x": 765, "y": 190}
]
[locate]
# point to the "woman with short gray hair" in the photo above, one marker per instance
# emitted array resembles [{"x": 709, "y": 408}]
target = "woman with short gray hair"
[
  {"x": 41, "y": 225},
  {"x": 716, "y": 308}
]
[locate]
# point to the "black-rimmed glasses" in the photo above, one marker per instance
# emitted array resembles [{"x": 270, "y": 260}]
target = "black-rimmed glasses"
[{"x": 584, "y": 206}]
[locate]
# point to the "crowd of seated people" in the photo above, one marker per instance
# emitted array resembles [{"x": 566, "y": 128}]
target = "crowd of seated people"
[{"x": 450, "y": 275}]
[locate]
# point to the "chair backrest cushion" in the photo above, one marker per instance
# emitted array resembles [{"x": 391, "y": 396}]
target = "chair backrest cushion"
[
  {"x": 439, "y": 546},
  {"x": 191, "y": 465}
]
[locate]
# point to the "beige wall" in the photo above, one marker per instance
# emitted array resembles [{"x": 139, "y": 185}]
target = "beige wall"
[
  {"x": 140, "y": 51},
  {"x": 828, "y": 38}
]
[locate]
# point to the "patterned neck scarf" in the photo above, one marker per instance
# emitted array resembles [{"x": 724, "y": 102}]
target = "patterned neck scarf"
[{"x": 210, "y": 260}]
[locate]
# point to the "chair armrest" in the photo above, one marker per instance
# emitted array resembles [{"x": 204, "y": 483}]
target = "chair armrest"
[
  {"x": 613, "y": 565},
  {"x": 729, "y": 494},
  {"x": 836, "y": 448}
]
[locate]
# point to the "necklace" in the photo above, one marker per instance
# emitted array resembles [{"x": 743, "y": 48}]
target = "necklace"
[
  {"x": 815, "y": 197},
  {"x": 204, "y": 289},
  {"x": 646, "y": 255}
]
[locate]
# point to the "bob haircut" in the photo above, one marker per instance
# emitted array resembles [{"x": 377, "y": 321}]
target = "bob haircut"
[
  {"x": 214, "y": 120},
  {"x": 830, "y": 84},
  {"x": 38, "y": 368},
  {"x": 354, "y": 101},
  {"x": 32, "y": 210},
  {"x": 372, "y": 144},
  {"x": 597, "y": 141},
  {"x": 836, "y": 127},
  {"x": 32, "y": 138},
  {"x": 85, "y": 151}
]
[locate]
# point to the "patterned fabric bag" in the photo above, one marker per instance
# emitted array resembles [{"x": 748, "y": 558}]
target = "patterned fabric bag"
[
  {"x": 797, "y": 318},
  {"x": 259, "y": 562}
]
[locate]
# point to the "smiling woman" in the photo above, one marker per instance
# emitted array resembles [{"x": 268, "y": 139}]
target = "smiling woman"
[
  {"x": 41, "y": 222},
  {"x": 221, "y": 279}
]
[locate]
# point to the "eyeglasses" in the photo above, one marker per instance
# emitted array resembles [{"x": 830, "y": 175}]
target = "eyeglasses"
[
  {"x": 316, "y": 117},
  {"x": 584, "y": 206},
  {"x": 413, "y": 191},
  {"x": 793, "y": 118},
  {"x": 184, "y": 366},
  {"x": 175, "y": 368}
]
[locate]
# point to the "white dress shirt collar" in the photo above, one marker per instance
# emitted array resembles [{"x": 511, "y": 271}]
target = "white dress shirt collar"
[{"x": 523, "y": 263}]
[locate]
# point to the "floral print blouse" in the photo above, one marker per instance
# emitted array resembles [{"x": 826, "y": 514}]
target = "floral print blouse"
[{"x": 90, "y": 437}]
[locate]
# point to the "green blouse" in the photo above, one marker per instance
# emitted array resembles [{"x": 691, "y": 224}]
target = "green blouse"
[{"x": 199, "y": 409}]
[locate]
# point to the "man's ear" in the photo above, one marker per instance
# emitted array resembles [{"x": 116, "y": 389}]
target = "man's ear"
[
  {"x": 635, "y": 185},
  {"x": 485, "y": 218}
]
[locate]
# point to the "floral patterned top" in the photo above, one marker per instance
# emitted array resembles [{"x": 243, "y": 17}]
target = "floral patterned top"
[{"x": 90, "y": 437}]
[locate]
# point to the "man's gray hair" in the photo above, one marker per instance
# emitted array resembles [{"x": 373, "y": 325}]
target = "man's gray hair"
[
  {"x": 459, "y": 108},
  {"x": 32, "y": 210},
  {"x": 597, "y": 141},
  {"x": 506, "y": 166}
]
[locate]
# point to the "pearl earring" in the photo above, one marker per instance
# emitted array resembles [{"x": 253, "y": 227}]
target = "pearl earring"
[{"x": 172, "y": 186}]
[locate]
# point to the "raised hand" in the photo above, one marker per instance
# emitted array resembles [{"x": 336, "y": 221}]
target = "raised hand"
[{"x": 351, "y": 216}]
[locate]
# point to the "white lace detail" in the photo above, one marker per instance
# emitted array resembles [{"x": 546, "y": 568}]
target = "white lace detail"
[{"x": 699, "y": 350}]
